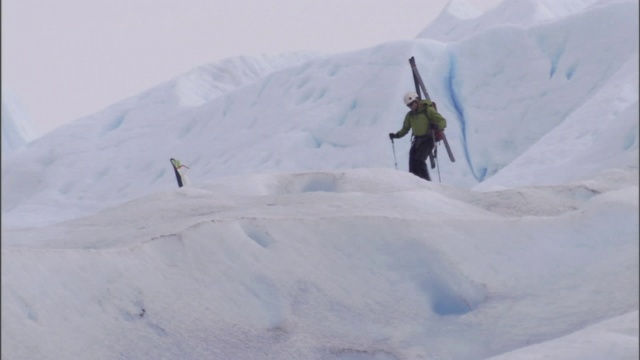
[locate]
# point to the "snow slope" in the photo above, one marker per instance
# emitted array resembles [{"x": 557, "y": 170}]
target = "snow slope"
[
  {"x": 610, "y": 339},
  {"x": 334, "y": 113},
  {"x": 460, "y": 19},
  {"x": 297, "y": 238},
  {"x": 16, "y": 127},
  {"x": 364, "y": 264}
]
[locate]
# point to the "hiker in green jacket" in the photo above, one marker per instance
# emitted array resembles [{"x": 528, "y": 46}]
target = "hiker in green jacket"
[{"x": 426, "y": 124}]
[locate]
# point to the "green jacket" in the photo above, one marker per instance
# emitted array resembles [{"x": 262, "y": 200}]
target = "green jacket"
[{"x": 421, "y": 120}]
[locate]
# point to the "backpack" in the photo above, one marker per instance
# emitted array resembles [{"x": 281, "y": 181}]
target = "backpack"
[{"x": 438, "y": 134}]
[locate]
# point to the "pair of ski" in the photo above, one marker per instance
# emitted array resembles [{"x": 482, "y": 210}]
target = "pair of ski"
[{"x": 417, "y": 80}]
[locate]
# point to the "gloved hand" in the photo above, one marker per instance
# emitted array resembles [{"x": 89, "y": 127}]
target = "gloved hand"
[
  {"x": 393, "y": 136},
  {"x": 438, "y": 134}
]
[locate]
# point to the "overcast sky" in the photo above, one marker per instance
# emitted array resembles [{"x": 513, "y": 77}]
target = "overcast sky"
[{"x": 69, "y": 58}]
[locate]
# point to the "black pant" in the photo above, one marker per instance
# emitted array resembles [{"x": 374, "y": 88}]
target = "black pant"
[{"x": 421, "y": 147}]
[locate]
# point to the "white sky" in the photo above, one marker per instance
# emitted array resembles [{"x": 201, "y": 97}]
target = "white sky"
[{"x": 71, "y": 58}]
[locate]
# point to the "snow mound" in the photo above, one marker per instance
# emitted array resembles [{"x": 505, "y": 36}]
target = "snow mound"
[
  {"x": 461, "y": 9},
  {"x": 390, "y": 269},
  {"x": 209, "y": 81},
  {"x": 538, "y": 101},
  {"x": 459, "y": 19},
  {"x": 16, "y": 128},
  {"x": 610, "y": 339}
]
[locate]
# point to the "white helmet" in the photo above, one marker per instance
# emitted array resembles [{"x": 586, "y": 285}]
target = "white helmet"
[{"x": 410, "y": 97}]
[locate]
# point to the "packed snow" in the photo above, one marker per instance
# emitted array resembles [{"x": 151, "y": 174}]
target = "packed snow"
[
  {"x": 298, "y": 238},
  {"x": 460, "y": 19},
  {"x": 16, "y": 124}
]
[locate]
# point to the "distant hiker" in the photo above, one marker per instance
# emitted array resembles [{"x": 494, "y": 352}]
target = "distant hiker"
[
  {"x": 176, "y": 168},
  {"x": 426, "y": 124}
]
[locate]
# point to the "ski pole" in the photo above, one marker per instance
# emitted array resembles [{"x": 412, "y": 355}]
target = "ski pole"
[
  {"x": 394, "y": 154},
  {"x": 435, "y": 153},
  {"x": 438, "y": 164}
]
